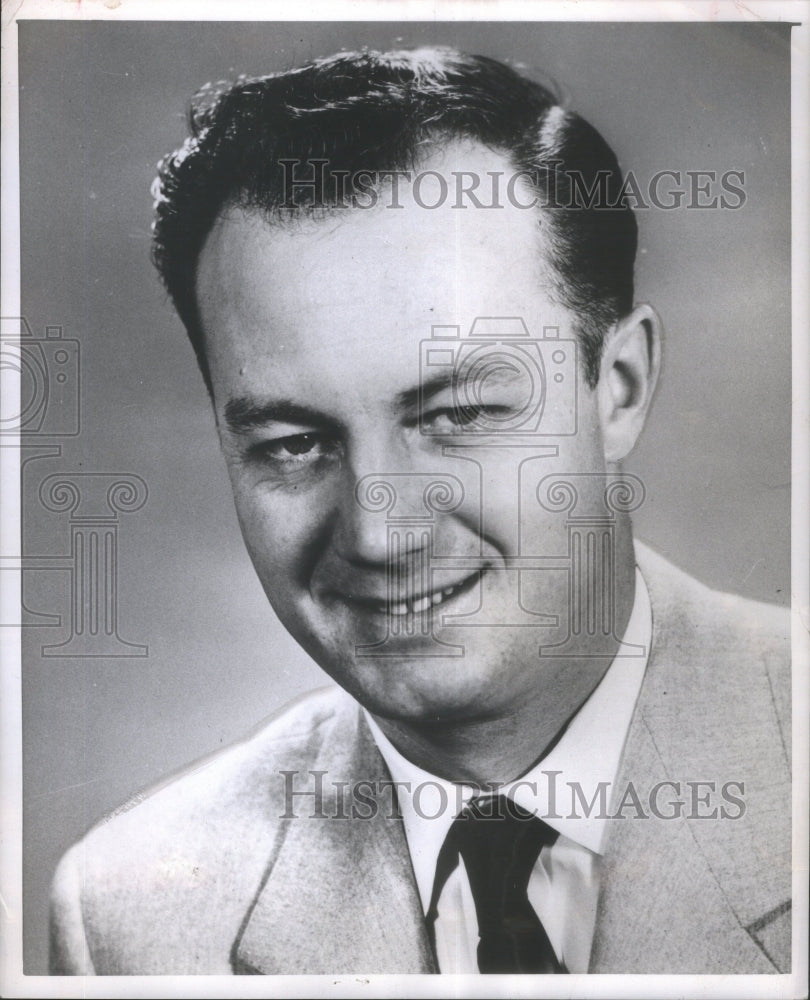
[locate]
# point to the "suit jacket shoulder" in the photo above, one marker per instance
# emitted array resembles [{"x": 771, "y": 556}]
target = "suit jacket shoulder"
[{"x": 163, "y": 884}]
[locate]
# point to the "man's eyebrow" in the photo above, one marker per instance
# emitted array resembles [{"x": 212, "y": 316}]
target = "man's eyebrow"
[
  {"x": 246, "y": 413},
  {"x": 502, "y": 373},
  {"x": 409, "y": 398}
]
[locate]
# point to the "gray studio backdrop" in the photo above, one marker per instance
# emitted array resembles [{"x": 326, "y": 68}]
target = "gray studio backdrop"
[{"x": 100, "y": 103}]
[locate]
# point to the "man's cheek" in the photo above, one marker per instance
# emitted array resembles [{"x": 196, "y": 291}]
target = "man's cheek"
[{"x": 281, "y": 534}]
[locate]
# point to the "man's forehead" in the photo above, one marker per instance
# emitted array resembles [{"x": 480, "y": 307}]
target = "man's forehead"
[
  {"x": 355, "y": 279},
  {"x": 383, "y": 276}
]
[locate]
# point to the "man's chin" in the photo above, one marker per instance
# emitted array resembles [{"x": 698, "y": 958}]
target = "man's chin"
[{"x": 406, "y": 695}]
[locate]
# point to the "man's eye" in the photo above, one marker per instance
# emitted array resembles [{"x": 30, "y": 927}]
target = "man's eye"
[
  {"x": 295, "y": 449},
  {"x": 299, "y": 444},
  {"x": 451, "y": 416},
  {"x": 463, "y": 416}
]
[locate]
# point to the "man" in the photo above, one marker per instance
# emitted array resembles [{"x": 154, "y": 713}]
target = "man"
[{"x": 408, "y": 278}]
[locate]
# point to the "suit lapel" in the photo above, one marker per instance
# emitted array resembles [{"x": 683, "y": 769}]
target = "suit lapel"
[
  {"x": 677, "y": 894},
  {"x": 340, "y": 896},
  {"x": 661, "y": 909}
]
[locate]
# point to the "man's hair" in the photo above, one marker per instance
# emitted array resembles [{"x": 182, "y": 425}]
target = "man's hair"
[{"x": 376, "y": 112}]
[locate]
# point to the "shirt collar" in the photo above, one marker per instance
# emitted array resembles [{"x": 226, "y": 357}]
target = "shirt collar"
[{"x": 586, "y": 756}]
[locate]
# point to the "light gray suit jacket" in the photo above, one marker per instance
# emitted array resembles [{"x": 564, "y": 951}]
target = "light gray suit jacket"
[{"x": 202, "y": 875}]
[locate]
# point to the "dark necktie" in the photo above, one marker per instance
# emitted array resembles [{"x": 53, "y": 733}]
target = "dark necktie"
[{"x": 500, "y": 844}]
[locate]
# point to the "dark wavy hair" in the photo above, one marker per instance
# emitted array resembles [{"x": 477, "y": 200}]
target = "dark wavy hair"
[{"x": 373, "y": 111}]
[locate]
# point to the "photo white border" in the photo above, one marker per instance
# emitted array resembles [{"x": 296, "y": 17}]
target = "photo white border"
[{"x": 12, "y": 981}]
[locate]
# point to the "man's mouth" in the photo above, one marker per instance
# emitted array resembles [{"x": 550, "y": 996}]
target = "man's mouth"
[{"x": 418, "y": 603}]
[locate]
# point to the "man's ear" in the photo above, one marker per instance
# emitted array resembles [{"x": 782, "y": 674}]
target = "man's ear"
[{"x": 628, "y": 373}]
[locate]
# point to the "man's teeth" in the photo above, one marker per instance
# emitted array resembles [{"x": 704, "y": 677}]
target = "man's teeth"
[{"x": 416, "y": 607}]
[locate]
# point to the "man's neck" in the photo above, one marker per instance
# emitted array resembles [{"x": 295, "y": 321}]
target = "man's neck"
[{"x": 500, "y": 747}]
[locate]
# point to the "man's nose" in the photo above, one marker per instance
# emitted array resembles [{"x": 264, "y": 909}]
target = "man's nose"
[
  {"x": 373, "y": 499},
  {"x": 361, "y": 536}
]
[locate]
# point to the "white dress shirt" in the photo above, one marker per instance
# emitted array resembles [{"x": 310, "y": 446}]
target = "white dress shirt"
[{"x": 564, "y": 885}]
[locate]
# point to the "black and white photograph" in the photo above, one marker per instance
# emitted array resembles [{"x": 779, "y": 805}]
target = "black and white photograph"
[{"x": 404, "y": 527}]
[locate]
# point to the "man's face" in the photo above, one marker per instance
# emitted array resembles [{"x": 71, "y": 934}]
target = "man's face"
[{"x": 317, "y": 336}]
